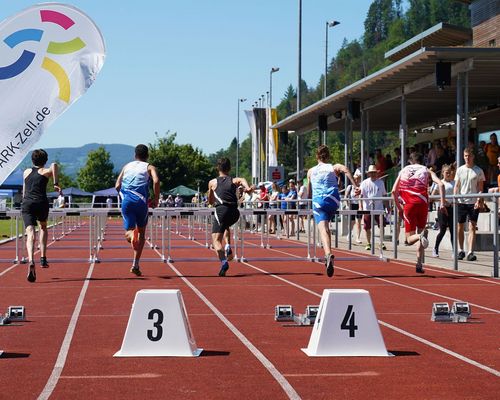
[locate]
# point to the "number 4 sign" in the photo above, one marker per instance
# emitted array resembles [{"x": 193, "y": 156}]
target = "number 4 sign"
[
  {"x": 346, "y": 325},
  {"x": 158, "y": 327}
]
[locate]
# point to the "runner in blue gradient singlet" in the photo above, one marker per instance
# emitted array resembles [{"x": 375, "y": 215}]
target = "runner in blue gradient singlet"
[
  {"x": 133, "y": 186},
  {"x": 323, "y": 184}
]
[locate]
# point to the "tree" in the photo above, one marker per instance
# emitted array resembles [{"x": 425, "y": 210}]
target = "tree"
[
  {"x": 65, "y": 180},
  {"x": 179, "y": 164},
  {"x": 98, "y": 172}
]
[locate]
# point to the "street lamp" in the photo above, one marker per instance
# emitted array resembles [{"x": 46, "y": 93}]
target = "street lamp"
[
  {"x": 329, "y": 24},
  {"x": 238, "y": 139},
  {"x": 273, "y": 70}
]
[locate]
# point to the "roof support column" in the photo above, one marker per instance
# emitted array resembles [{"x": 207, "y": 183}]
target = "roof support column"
[
  {"x": 403, "y": 132},
  {"x": 347, "y": 147},
  {"x": 300, "y": 156},
  {"x": 364, "y": 144}
]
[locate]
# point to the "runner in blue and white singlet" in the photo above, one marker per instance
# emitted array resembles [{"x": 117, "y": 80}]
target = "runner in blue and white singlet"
[{"x": 323, "y": 184}]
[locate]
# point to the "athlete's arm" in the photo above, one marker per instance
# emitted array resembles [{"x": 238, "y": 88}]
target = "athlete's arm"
[
  {"x": 118, "y": 183},
  {"x": 242, "y": 182},
  {"x": 395, "y": 194},
  {"x": 345, "y": 170},
  {"x": 309, "y": 186},
  {"x": 25, "y": 175},
  {"x": 156, "y": 184},
  {"x": 54, "y": 170},
  {"x": 211, "y": 188}
]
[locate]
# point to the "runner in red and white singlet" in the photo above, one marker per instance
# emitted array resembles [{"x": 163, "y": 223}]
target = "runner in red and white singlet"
[{"x": 410, "y": 193}]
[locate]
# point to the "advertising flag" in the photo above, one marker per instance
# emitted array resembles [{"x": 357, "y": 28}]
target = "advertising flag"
[
  {"x": 272, "y": 119},
  {"x": 50, "y": 54},
  {"x": 255, "y": 152}
]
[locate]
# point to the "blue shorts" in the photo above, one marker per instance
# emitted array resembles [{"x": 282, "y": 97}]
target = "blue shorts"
[
  {"x": 324, "y": 207},
  {"x": 135, "y": 214}
]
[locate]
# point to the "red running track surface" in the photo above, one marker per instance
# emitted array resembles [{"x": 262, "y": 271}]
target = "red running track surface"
[{"x": 77, "y": 314}]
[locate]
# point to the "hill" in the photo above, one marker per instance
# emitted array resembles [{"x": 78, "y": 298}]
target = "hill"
[{"x": 73, "y": 158}]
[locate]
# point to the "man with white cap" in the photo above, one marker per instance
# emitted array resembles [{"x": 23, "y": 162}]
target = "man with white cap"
[{"x": 372, "y": 187}]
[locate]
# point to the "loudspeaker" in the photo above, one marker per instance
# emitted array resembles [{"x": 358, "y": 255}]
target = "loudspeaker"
[
  {"x": 443, "y": 74},
  {"x": 322, "y": 123},
  {"x": 284, "y": 137},
  {"x": 354, "y": 109}
]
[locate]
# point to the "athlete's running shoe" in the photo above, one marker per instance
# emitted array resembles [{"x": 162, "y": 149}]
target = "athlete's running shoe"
[
  {"x": 43, "y": 262},
  {"x": 419, "y": 268},
  {"x": 223, "y": 268},
  {"x": 229, "y": 253},
  {"x": 31, "y": 273},
  {"x": 423, "y": 238},
  {"x": 136, "y": 271},
  {"x": 329, "y": 264}
]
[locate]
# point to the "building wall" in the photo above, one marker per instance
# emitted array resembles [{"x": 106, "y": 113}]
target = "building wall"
[{"x": 485, "y": 18}]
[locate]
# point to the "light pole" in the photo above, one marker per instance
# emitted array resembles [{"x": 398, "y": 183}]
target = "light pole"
[
  {"x": 329, "y": 24},
  {"x": 238, "y": 139},
  {"x": 273, "y": 70}
]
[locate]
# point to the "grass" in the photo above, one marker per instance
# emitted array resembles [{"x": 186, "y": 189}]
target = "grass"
[{"x": 5, "y": 228}]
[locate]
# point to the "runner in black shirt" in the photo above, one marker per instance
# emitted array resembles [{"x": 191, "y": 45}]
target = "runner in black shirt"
[
  {"x": 35, "y": 206},
  {"x": 222, "y": 195}
]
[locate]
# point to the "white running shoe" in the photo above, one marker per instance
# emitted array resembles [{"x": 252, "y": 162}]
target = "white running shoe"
[{"x": 423, "y": 239}]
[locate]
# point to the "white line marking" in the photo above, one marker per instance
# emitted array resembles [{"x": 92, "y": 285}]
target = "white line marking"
[
  {"x": 16, "y": 265},
  {"x": 136, "y": 376},
  {"x": 289, "y": 390},
  {"x": 63, "y": 352},
  {"x": 341, "y": 374},
  {"x": 419, "y": 339}
]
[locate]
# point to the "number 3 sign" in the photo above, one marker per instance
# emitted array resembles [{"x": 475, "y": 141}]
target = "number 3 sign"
[
  {"x": 346, "y": 325},
  {"x": 158, "y": 326}
]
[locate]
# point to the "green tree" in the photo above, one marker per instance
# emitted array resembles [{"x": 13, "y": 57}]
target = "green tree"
[
  {"x": 98, "y": 172},
  {"x": 179, "y": 164},
  {"x": 65, "y": 180}
]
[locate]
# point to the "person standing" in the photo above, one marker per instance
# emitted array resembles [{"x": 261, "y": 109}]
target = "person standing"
[
  {"x": 222, "y": 195},
  {"x": 133, "y": 187},
  {"x": 303, "y": 203},
  {"x": 323, "y": 185},
  {"x": 445, "y": 219},
  {"x": 492, "y": 151},
  {"x": 350, "y": 194},
  {"x": 372, "y": 187},
  {"x": 411, "y": 196},
  {"x": 469, "y": 179},
  {"x": 35, "y": 206}
]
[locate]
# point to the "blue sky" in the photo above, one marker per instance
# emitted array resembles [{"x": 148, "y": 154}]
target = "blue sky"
[{"x": 181, "y": 65}]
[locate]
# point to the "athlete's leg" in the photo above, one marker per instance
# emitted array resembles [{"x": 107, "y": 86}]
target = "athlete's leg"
[
  {"x": 325, "y": 236},
  {"x": 30, "y": 242},
  {"x": 218, "y": 246},
  {"x": 43, "y": 238},
  {"x": 140, "y": 245}
]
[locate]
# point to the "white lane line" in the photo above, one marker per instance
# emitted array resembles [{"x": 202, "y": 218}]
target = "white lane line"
[
  {"x": 16, "y": 265},
  {"x": 418, "y": 338},
  {"x": 135, "y": 376},
  {"x": 341, "y": 374},
  {"x": 63, "y": 352},
  {"x": 396, "y": 284},
  {"x": 278, "y": 376}
]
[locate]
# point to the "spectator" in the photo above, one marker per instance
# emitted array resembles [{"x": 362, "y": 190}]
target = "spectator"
[
  {"x": 397, "y": 156},
  {"x": 492, "y": 151},
  {"x": 178, "y": 201},
  {"x": 273, "y": 203},
  {"x": 170, "y": 201},
  {"x": 388, "y": 161},
  {"x": 292, "y": 205},
  {"x": 303, "y": 195},
  {"x": 445, "y": 219},
  {"x": 469, "y": 179},
  {"x": 109, "y": 202},
  {"x": 432, "y": 154},
  {"x": 380, "y": 162},
  {"x": 352, "y": 195}
]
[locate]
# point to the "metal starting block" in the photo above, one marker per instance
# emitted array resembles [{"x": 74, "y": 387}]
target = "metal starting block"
[
  {"x": 283, "y": 313},
  {"x": 16, "y": 313},
  {"x": 4, "y": 320},
  {"x": 308, "y": 317},
  {"x": 459, "y": 312}
]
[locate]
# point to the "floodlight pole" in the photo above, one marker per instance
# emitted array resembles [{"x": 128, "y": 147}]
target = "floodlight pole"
[{"x": 238, "y": 139}]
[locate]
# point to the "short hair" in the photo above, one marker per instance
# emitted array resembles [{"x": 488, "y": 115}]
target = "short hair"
[
  {"x": 224, "y": 165},
  {"x": 39, "y": 157},
  {"x": 323, "y": 153},
  {"x": 469, "y": 151},
  {"x": 141, "y": 152},
  {"x": 416, "y": 158}
]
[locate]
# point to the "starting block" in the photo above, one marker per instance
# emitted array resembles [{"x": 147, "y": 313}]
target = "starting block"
[
  {"x": 16, "y": 313},
  {"x": 308, "y": 317},
  {"x": 460, "y": 312},
  {"x": 4, "y": 320},
  {"x": 158, "y": 326},
  {"x": 283, "y": 313}
]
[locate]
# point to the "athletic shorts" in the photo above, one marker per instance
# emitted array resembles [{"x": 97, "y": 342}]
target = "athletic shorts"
[
  {"x": 355, "y": 207},
  {"x": 415, "y": 216},
  {"x": 135, "y": 214},
  {"x": 367, "y": 221},
  {"x": 467, "y": 211},
  {"x": 33, "y": 211},
  {"x": 324, "y": 207},
  {"x": 224, "y": 217}
]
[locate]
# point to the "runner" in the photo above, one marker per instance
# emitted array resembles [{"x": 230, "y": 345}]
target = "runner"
[
  {"x": 35, "y": 206},
  {"x": 222, "y": 195},
  {"x": 133, "y": 186},
  {"x": 323, "y": 184},
  {"x": 411, "y": 187}
]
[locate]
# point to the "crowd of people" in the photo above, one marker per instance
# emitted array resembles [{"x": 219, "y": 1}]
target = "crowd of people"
[{"x": 322, "y": 193}]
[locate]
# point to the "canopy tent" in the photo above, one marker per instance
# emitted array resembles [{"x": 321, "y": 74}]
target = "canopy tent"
[
  {"x": 69, "y": 193},
  {"x": 182, "y": 191},
  {"x": 99, "y": 198}
]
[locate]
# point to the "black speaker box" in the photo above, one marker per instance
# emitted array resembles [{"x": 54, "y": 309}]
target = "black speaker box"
[
  {"x": 322, "y": 122},
  {"x": 284, "y": 137},
  {"x": 354, "y": 109},
  {"x": 443, "y": 74}
]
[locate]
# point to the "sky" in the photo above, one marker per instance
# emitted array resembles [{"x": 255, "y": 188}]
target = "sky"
[{"x": 182, "y": 65}]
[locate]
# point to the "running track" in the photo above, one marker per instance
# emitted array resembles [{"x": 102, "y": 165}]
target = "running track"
[{"x": 77, "y": 315}]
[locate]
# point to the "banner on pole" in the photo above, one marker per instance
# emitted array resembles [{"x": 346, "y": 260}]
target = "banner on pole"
[
  {"x": 272, "y": 119},
  {"x": 50, "y": 54}
]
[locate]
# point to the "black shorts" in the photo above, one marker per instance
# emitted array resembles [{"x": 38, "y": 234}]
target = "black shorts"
[
  {"x": 467, "y": 211},
  {"x": 355, "y": 207},
  {"x": 224, "y": 217},
  {"x": 33, "y": 211}
]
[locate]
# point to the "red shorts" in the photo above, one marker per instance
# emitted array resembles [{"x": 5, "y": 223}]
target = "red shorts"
[{"x": 415, "y": 216}]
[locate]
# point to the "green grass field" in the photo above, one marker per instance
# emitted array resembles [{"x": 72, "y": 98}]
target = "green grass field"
[{"x": 5, "y": 228}]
